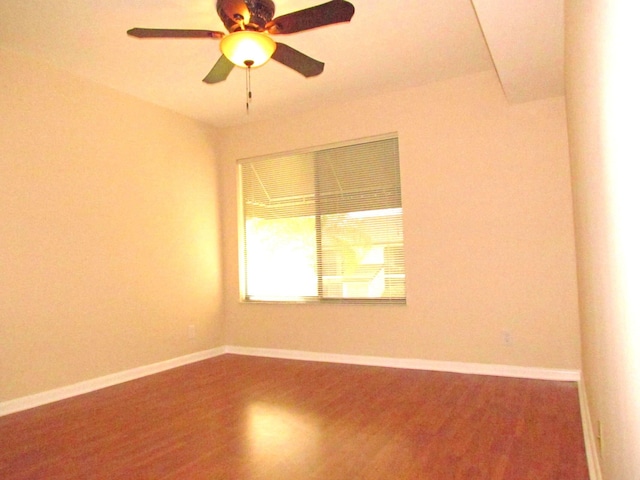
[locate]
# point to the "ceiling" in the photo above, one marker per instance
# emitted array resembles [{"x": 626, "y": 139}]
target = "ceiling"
[{"x": 387, "y": 46}]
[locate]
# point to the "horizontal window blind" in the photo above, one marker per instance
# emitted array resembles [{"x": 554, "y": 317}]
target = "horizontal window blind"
[{"x": 324, "y": 224}]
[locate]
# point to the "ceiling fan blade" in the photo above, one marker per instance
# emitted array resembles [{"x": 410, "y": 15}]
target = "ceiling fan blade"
[
  {"x": 335, "y": 11},
  {"x": 220, "y": 71},
  {"x": 296, "y": 60},
  {"x": 173, "y": 33}
]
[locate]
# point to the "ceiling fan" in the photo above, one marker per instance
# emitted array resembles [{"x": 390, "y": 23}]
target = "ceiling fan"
[{"x": 249, "y": 44}]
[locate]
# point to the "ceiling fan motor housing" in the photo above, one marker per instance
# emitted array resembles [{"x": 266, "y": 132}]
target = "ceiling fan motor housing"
[{"x": 245, "y": 14}]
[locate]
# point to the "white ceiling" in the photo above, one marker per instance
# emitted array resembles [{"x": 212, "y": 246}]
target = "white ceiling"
[{"x": 387, "y": 46}]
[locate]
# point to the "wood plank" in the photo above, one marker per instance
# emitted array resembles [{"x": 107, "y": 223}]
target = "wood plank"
[{"x": 237, "y": 417}]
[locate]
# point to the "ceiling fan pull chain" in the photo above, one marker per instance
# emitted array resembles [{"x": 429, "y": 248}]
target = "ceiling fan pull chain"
[{"x": 248, "y": 63}]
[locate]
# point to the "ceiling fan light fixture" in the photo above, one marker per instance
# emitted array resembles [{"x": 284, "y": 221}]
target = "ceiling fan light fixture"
[{"x": 247, "y": 48}]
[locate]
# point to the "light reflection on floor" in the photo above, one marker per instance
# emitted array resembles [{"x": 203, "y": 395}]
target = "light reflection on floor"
[{"x": 280, "y": 437}]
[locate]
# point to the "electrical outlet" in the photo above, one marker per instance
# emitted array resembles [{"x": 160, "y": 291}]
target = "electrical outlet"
[
  {"x": 192, "y": 332},
  {"x": 507, "y": 339}
]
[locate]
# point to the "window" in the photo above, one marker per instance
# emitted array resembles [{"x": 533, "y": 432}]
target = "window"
[{"x": 324, "y": 224}]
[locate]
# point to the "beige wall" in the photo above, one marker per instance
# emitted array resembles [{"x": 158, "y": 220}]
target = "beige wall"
[
  {"x": 108, "y": 232},
  {"x": 602, "y": 104},
  {"x": 489, "y": 240}
]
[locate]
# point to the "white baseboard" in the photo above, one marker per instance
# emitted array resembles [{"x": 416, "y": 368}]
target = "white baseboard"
[
  {"x": 590, "y": 442},
  {"x": 415, "y": 364},
  {"x": 31, "y": 401}
]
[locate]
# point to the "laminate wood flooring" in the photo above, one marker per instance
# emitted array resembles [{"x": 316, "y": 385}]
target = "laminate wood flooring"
[{"x": 250, "y": 418}]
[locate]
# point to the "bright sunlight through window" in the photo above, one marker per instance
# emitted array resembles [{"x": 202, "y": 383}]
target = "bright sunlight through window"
[{"x": 324, "y": 224}]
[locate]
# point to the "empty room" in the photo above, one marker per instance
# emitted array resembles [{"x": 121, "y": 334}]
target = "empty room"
[{"x": 403, "y": 247}]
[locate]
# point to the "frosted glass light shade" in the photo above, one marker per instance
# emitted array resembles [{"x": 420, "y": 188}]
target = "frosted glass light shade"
[{"x": 247, "y": 48}]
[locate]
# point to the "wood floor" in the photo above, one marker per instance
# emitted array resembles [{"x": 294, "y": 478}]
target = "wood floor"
[{"x": 249, "y": 418}]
